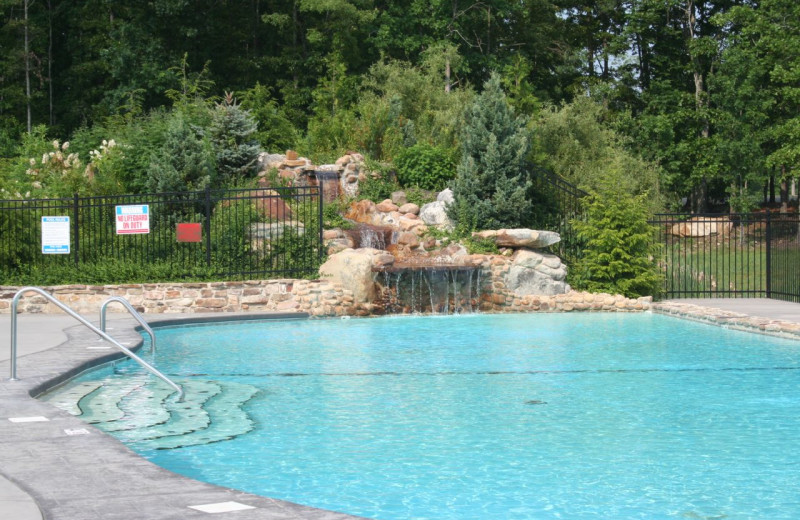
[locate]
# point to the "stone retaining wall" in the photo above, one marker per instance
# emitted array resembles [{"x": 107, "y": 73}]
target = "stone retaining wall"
[
  {"x": 317, "y": 297},
  {"x": 268, "y": 295},
  {"x": 568, "y": 302}
]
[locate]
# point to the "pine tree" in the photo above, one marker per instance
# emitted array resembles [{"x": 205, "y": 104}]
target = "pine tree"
[
  {"x": 619, "y": 247},
  {"x": 232, "y": 135},
  {"x": 184, "y": 162},
  {"x": 491, "y": 187}
]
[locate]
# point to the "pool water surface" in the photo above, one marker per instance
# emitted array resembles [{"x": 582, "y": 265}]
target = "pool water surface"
[{"x": 538, "y": 416}]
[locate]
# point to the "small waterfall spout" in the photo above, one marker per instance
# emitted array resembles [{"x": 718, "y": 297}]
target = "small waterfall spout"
[
  {"x": 376, "y": 237},
  {"x": 328, "y": 182},
  {"x": 430, "y": 289}
]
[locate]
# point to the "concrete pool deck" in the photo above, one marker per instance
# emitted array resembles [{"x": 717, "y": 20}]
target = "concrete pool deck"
[
  {"x": 48, "y": 471},
  {"x": 57, "y": 467}
]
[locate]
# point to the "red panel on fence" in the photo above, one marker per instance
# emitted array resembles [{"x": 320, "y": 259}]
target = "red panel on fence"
[{"x": 189, "y": 233}]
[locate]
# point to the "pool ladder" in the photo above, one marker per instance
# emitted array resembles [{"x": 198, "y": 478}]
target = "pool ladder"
[{"x": 99, "y": 331}]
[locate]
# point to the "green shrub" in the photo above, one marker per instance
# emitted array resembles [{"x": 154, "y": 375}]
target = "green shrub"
[
  {"x": 428, "y": 167},
  {"x": 332, "y": 215},
  {"x": 379, "y": 184},
  {"x": 231, "y": 224},
  {"x": 276, "y": 131},
  {"x": 419, "y": 196},
  {"x": 480, "y": 246},
  {"x": 106, "y": 271},
  {"x": 619, "y": 251}
]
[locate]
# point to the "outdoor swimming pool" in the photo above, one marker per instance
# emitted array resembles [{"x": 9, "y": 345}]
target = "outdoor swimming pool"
[{"x": 479, "y": 416}]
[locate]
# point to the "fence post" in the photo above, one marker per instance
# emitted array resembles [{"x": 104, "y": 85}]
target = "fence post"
[
  {"x": 768, "y": 240},
  {"x": 208, "y": 226},
  {"x": 75, "y": 227},
  {"x": 320, "y": 252}
]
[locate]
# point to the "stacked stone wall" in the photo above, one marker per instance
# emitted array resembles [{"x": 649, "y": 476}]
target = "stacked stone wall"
[
  {"x": 501, "y": 301},
  {"x": 157, "y": 298},
  {"x": 318, "y": 298},
  {"x": 321, "y": 298}
]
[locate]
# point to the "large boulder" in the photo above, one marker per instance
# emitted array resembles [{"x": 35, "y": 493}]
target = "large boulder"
[
  {"x": 536, "y": 273},
  {"x": 275, "y": 230},
  {"x": 446, "y": 196},
  {"x": 435, "y": 213},
  {"x": 519, "y": 238},
  {"x": 353, "y": 269},
  {"x": 702, "y": 227}
]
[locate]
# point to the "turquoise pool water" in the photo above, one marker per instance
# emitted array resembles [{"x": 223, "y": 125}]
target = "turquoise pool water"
[{"x": 574, "y": 416}]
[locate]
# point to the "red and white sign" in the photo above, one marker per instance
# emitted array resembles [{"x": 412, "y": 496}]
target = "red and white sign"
[{"x": 133, "y": 219}]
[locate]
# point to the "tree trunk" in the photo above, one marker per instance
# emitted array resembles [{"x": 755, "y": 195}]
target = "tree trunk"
[
  {"x": 489, "y": 30},
  {"x": 447, "y": 74},
  {"x": 699, "y": 85},
  {"x": 784, "y": 190},
  {"x": 27, "y": 65},
  {"x": 772, "y": 188},
  {"x": 50, "y": 60}
]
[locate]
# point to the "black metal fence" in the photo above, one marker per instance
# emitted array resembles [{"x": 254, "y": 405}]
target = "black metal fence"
[
  {"x": 558, "y": 203},
  {"x": 233, "y": 234},
  {"x": 730, "y": 255}
]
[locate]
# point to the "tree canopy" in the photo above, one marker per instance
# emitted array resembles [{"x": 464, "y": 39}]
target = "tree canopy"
[{"x": 705, "y": 92}]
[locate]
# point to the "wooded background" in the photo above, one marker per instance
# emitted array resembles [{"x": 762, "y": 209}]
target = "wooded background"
[{"x": 705, "y": 92}]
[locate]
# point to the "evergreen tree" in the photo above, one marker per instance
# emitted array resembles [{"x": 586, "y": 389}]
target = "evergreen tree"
[
  {"x": 491, "y": 186},
  {"x": 619, "y": 250},
  {"x": 232, "y": 135},
  {"x": 185, "y": 161}
]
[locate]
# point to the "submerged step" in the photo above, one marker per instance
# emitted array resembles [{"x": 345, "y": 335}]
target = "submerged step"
[
  {"x": 66, "y": 398},
  {"x": 144, "y": 408},
  {"x": 228, "y": 420},
  {"x": 102, "y": 405},
  {"x": 185, "y": 417}
]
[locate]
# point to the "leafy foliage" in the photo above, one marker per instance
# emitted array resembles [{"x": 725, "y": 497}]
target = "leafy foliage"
[
  {"x": 377, "y": 186},
  {"x": 276, "y": 132},
  {"x": 332, "y": 215},
  {"x": 425, "y": 166},
  {"x": 575, "y": 143},
  {"x": 106, "y": 271}
]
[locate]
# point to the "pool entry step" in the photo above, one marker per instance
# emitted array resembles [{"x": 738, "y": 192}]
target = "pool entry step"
[{"x": 143, "y": 412}]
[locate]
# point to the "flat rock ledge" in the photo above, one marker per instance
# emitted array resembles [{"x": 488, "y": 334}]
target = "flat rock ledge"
[{"x": 729, "y": 319}]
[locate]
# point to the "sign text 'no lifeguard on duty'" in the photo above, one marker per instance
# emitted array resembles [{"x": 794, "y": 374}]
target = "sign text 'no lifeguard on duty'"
[{"x": 134, "y": 219}]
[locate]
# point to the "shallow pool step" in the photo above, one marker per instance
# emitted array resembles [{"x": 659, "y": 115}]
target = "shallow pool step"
[
  {"x": 144, "y": 411},
  {"x": 144, "y": 408},
  {"x": 228, "y": 420},
  {"x": 185, "y": 417},
  {"x": 67, "y": 397},
  {"x": 102, "y": 405}
]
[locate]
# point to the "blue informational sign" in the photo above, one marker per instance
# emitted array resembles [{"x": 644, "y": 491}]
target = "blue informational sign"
[{"x": 55, "y": 235}]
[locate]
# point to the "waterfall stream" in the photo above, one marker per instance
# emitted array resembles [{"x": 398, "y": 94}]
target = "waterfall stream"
[{"x": 431, "y": 289}]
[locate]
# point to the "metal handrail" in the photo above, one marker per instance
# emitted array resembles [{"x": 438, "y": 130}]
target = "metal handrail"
[
  {"x": 138, "y": 317},
  {"x": 84, "y": 321}
]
